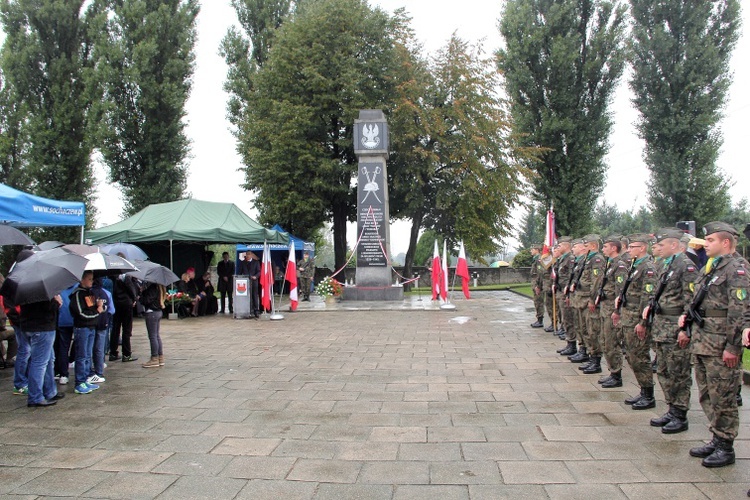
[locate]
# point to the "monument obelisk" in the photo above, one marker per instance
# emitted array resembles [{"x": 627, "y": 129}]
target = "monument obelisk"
[{"x": 373, "y": 276}]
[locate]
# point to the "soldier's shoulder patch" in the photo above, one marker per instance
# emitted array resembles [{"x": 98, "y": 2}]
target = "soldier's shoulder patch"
[
  {"x": 620, "y": 279},
  {"x": 741, "y": 271},
  {"x": 649, "y": 287},
  {"x": 690, "y": 269},
  {"x": 649, "y": 273},
  {"x": 597, "y": 260},
  {"x": 596, "y": 272},
  {"x": 692, "y": 287},
  {"x": 741, "y": 293}
]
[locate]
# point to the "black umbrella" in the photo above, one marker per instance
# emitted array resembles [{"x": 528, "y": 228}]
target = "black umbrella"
[
  {"x": 153, "y": 273},
  {"x": 42, "y": 276},
  {"x": 9, "y": 235},
  {"x": 49, "y": 245}
]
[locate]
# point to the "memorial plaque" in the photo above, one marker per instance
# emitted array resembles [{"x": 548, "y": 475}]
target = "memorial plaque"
[{"x": 371, "y": 217}]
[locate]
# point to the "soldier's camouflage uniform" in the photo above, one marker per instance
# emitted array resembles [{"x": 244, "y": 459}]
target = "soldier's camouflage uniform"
[
  {"x": 637, "y": 350},
  {"x": 536, "y": 270},
  {"x": 546, "y": 278},
  {"x": 673, "y": 365},
  {"x": 725, "y": 311},
  {"x": 564, "y": 270},
  {"x": 585, "y": 292},
  {"x": 612, "y": 339}
]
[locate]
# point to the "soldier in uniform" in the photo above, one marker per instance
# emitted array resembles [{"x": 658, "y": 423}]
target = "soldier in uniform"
[
  {"x": 548, "y": 263},
  {"x": 536, "y": 270},
  {"x": 629, "y": 306},
  {"x": 676, "y": 284},
  {"x": 584, "y": 297},
  {"x": 306, "y": 273},
  {"x": 579, "y": 323},
  {"x": 563, "y": 271},
  {"x": 611, "y": 338},
  {"x": 716, "y": 340}
]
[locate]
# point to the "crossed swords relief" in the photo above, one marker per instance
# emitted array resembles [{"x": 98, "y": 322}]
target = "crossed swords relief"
[{"x": 371, "y": 187}]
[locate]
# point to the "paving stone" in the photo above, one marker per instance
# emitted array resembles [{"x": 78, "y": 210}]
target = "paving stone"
[
  {"x": 367, "y": 451},
  {"x": 431, "y": 492},
  {"x": 201, "y": 487},
  {"x": 126, "y": 485},
  {"x": 63, "y": 482},
  {"x": 578, "y": 491},
  {"x": 12, "y": 478},
  {"x": 666, "y": 491},
  {"x": 606, "y": 471},
  {"x": 246, "y": 446},
  {"x": 131, "y": 461},
  {"x": 325, "y": 471},
  {"x": 193, "y": 464},
  {"x": 188, "y": 444},
  {"x": 285, "y": 490},
  {"x": 492, "y": 451},
  {"x": 474, "y": 472},
  {"x": 70, "y": 458},
  {"x": 353, "y": 491},
  {"x": 395, "y": 472},
  {"x": 555, "y": 450},
  {"x": 549, "y": 472},
  {"x": 506, "y": 492}
]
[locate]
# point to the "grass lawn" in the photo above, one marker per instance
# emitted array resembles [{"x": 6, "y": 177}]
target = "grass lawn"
[{"x": 522, "y": 288}]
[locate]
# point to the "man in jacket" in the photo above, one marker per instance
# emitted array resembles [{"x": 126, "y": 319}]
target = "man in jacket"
[{"x": 85, "y": 309}]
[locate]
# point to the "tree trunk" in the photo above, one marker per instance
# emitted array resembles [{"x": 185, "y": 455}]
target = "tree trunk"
[
  {"x": 413, "y": 237},
  {"x": 339, "y": 234}
]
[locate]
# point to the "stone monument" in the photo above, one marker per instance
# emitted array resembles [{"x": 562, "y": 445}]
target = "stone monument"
[{"x": 373, "y": 276}]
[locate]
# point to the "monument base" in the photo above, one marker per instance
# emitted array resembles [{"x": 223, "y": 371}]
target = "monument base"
[{"x": 374, "y": 293}]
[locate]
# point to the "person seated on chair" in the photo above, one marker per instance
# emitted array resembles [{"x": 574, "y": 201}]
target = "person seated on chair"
[
  {"x": 210, "y": 300},
  {"x": 187, "y": 286}
]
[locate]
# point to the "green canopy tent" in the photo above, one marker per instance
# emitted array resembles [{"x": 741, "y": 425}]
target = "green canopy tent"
[{"x": 187, "y": 220}]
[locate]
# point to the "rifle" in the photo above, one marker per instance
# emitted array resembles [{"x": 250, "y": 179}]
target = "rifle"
[
  {"x": 621, "y": 299},
  {"x": 693, "y": 314},
  {"x": 653, "y": 303},
  {"x": 600, "y": 295},
  {"x": 577, "y": 281}
]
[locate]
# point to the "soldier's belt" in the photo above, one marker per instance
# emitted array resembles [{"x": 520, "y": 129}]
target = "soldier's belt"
[
  {"x": 712, "y": 313},
  {"x": 670, "y": 311}
]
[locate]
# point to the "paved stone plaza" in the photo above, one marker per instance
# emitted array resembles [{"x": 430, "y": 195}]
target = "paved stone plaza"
[{"x": 404, "y": 404}]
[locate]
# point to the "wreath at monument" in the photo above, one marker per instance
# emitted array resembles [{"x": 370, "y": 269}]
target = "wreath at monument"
[{"x": 329, "y": 287}]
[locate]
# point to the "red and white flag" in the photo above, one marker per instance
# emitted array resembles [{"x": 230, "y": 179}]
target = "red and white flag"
[
  {"x": 266, "y": 279},
  {"x": 550, "y": 236},
  {"x": 291, "y": 277},
  {"x": 462, "y": 270},
  {"x": 437, "y": 278},
  {"x": 444, "y": 273}
]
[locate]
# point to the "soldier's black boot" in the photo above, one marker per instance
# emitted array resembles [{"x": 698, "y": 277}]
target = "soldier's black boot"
[
  {"x": 705, "y": 450},
  {"x": 537, "y": 324},
  {"x": 634, "y": 399},
  {"x": 586, "y": 364},
  {"x": 570, "y": 350},
  {"x": 647, "y": 401},
  {"x": 615, "y": 380},
  {"x": 663, "y": 420},
  {"x": 679, "y": 422},
  {"x": 595, "y": 366},
  {"x": 580, "y": 357},
  {"x": 549, "y": 329},
  {"x": 604, "y": 378},
  {"x": 722, "y": 455}
]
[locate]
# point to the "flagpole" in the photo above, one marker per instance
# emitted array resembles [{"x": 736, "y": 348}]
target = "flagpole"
[
  {"x": 275, "y": 315},
  {"x": 448, "y": 306}
]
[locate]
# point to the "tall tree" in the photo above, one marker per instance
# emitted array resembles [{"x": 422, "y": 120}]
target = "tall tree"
[
  {"x": 562, "y": 60},
  {"x": 532, "y": 228},
  {"x": 455, "y": 168},
  {"x": 13, "y": 140},
  {"x": 332, "y": 59},
  {"x": 44, "y": 59},
  {"x": 680, "y": 55},
  {"x": 145, "y": 61}
]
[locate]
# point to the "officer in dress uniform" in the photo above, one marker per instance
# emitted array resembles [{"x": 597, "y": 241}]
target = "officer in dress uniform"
[
  {"x": 675, "y": 287},
  {"x": 716, "y": 340}
]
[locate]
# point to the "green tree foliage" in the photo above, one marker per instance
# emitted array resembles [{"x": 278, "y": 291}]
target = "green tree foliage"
[
  {"x": 13, "y": 139},
  {"x": 332, "y": 59},
  {"x": 739, "y": 217},
  {"x": 45, "y": 57},
  {"x": 532, "y": 228},
  {"x": 680, "y": 55},
  {"x": 522, "y": 259},
  {"x": 454, "y": 167},
  {"x": 609, "y": 220},
  {"x": 426, "y": 248},
  {"x": 144, "y": 64},
  {"x": 562, "y": 60}
]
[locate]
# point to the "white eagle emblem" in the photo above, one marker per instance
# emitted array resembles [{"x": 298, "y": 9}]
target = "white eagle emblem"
[{"x": 370, "y": 139}]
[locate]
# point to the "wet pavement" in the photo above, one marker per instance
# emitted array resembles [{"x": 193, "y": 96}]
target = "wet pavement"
[{"x": 362, "y": 401}]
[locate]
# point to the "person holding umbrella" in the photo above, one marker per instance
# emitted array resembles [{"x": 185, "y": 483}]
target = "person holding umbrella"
[{"x": 85, "y": 308}]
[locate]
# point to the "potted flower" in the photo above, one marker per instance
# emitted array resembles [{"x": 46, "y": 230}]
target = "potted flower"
[{"x": 329, "y": 289}]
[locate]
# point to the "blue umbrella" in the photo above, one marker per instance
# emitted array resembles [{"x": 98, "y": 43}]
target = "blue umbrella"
[{"x": 130, "y": 251}]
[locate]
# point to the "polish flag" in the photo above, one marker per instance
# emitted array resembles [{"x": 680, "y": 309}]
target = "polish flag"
[
  {"x": 437, "y": 278},
  {"x": 266, "y": 279},
  {"x": 291, "y": 277},
  {"x": 550, "y": 237},
  {"x": 444, "y": 273},
  {"x": 462, "y": 270}
]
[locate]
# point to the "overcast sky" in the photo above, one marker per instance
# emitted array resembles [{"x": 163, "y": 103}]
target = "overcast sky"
[{"x": 214, "y": 163}]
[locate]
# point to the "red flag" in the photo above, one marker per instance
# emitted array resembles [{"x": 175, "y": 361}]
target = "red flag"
[
  {"x": 462, "y": 270},
  {"x": 444, "y": 273},
  {"x": 291, "y": 277},
  {"x": 550, "y": 236},
  {"x": 437, "y": 278},
  {"x": 266, "y": 279}
]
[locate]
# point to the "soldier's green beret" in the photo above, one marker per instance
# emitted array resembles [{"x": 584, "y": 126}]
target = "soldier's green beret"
[
  {"x": 577, "y": 241},
  {"x": 613, "y": 238},
  {"x": 718, "y": 226},
  {"x": 668, "y": 232},
  {"x": 591, "y": 238},
  {"x": 564, "y": 239},
  {"x": 640, "y": 238}
]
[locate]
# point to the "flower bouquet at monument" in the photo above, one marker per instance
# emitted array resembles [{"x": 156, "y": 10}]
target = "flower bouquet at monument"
[
  {"x": 329, "y": 287},
  {"x": 177, "y": 298}
]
